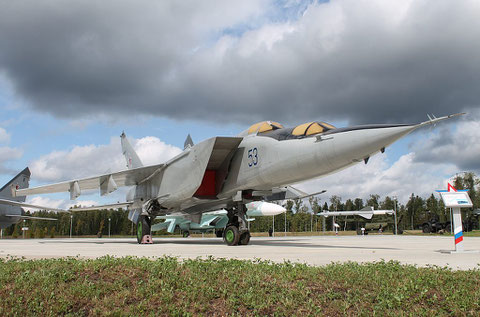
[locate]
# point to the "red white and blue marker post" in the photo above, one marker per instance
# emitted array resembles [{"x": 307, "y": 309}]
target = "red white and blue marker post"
[{"x": 456, "y": 199}]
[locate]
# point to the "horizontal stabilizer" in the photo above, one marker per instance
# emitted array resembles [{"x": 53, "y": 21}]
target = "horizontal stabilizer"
[
  {"x": 103, "y": 207},
  {"x": 25, "y": 205},
  {"x": 169, "y": 225},
  {"x": 210, "y": 222},
  {"x": 160, "y": 226},
  {"x": 31, "y": 217}
]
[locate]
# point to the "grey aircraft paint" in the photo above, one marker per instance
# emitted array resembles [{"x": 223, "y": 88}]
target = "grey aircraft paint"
[
  {"x": 22, "y": 181},
  {"x": 228, "y": 172}
]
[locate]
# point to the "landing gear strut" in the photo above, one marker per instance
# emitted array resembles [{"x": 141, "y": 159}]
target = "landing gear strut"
[
  {"x": 143, "y": 230},
  {"x": 236, "y": 231}
]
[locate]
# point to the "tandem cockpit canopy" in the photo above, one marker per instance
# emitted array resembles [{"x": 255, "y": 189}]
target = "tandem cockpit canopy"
[{"x": 277, "y": 131}]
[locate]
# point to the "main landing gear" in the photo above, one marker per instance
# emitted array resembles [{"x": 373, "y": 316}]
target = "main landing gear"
[
  {"x": 143, "y": 230},
  {"x": 236, "y": 231}
]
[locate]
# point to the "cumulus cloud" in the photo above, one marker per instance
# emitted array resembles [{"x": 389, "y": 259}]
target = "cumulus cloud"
[
  {"x": 8, "y": 154},
  {"x": 59, "y": 203},
  {"x": 89, "y": 160},
  {"x": 459, "y": 145},
  {"x": 4, "y": 136},
  {"x": 355, "y": 60},
  {"x": 401, "y": 179}
]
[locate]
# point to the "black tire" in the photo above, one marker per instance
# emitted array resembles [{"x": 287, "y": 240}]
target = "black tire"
[
  {"x": 231, "y": 235},
  {"x": 143, "y": 228},
  {"x": 448, "y": 227},
  {"x": 219, "y": 233},
  {"x": 426, "y": 228},
  {"x": 244, "y": 238},
  {"x": 186, "y": 234}
]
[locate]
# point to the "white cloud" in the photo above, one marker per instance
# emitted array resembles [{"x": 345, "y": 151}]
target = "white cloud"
[
  {"x": 59, "y": 203},
  {"x": 89, "y": 160},
  {"x": 152, "y": 150},
  {"x": 401, "y": 179},
  {"x": 8, "y": 154},
  {"x": 4, "y": 136},
  {"x": 460, "y": 146}
]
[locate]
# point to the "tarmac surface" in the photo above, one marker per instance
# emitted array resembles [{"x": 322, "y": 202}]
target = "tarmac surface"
[{"x": 316, "y": 250}]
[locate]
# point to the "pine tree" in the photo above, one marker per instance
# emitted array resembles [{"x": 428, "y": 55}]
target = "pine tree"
[{"x": 15, "y": 231}]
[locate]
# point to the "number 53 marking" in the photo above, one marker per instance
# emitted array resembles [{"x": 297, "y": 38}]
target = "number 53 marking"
[{"x": 252, "y": 157}]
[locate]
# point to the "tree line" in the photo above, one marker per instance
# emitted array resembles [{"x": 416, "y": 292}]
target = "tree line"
[{"x": 300, "y": 215}]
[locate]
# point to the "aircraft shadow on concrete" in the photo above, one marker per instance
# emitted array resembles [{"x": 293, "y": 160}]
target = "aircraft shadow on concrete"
[
  {"x": 287, "y": 243},
  {"x": 219, "y": 242},
  {"x": 78, "y": 241}
]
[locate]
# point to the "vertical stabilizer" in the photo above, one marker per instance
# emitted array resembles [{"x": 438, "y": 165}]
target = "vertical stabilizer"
[
  {"x": 188, "y": 142},
  {"x": 20, "y": 181},
  {"x": 133, "y": 161}
]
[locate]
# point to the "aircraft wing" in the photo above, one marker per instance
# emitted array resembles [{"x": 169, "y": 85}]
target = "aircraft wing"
[
  {"x": 106, "y": 182},
  {"x": 25, "y": 205}
]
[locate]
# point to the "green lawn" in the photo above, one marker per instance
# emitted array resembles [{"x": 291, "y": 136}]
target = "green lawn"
[{"x": 167, "y": 286}]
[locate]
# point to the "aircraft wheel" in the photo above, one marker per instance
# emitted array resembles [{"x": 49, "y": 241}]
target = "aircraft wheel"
[
  {"x": 426, "y": 228},
  {"x": 186, "y": 234},
  {"x": 244, "y": 238},
  {"x": 143, "y": 228},
  {"x": 231, "y": 235}
]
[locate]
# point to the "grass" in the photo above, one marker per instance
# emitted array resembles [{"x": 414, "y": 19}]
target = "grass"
[{"x": 167, "y": 286}]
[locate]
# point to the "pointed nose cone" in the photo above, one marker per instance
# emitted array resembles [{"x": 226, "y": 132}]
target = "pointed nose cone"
[
  {"x": 264, "y": 209},
  {"x": 358, "y": 144},
  {"x": 382, "y": 137}
]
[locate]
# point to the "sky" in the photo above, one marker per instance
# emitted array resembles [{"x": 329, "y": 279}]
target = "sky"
[{"x": 74, "y": 75}]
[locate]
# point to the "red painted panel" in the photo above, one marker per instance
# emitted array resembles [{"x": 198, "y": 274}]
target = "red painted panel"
[{"x": 207, "y": 188}]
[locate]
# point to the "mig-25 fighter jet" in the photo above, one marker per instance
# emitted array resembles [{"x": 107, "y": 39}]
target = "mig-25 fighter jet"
[{"x": 228, "y": 172}]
